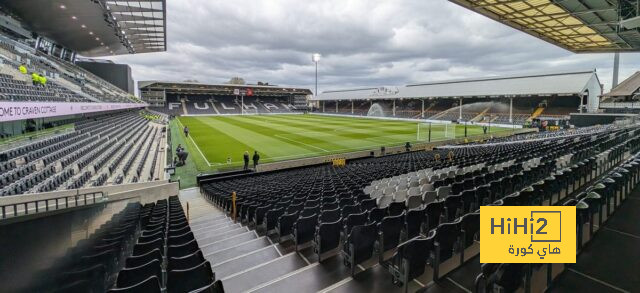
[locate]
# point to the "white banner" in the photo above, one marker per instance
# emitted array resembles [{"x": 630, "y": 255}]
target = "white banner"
[{"x": 11, "y": 111}]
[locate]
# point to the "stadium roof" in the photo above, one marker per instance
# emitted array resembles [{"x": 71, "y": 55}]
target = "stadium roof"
[
  {"x": 96, "y": 28},
  {"x": 561, "y": 83},
  {"x": 627, "y": 88},
  {"x": 218, "y": 89},
  {"x": 579, "y": 26}
]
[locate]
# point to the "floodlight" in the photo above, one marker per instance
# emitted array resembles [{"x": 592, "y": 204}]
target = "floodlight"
[{"x": 315, "y": 57}]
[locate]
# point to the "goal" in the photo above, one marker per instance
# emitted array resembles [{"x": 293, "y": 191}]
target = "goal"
[{"x": 433, "y": 131}]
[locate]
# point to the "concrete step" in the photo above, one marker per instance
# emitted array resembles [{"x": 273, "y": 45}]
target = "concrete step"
[
  {"x": 215, "y": 231},
  {"x": 243, "y": 262},
  {"x": 209, "y": 226},
  {"x": 240, "y": 249},
  {"x": 226, "y": 243},
  {"x": 263, "y": 273},
  {"x": 311, "y": 278},
  {"x": 221, "y": 235}
]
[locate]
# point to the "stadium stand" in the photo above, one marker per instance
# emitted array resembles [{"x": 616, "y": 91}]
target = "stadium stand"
[
  {"x": 143, "y": 248},
  {"x": 478, "y": 110},
  {"x": 416, "y": 213},
  {"x": 99, "y": 151},
  {"x": 66, "y": 82}
]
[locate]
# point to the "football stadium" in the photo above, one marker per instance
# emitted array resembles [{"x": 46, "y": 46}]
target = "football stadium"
[{"x": 114, "y": 178}]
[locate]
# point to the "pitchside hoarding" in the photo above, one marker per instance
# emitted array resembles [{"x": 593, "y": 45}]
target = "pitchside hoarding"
[{"x": 11, "y": 111}]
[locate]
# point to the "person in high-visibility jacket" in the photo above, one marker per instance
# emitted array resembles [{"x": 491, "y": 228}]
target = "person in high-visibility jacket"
[
  {"x": 23, "y": 69},
  {"x": 35, "y": 78},
  {"x": 43, "y": 80}
]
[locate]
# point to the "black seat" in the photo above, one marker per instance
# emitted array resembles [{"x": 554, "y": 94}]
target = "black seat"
[
  {"x": 149, "y": 285},
  {"x": 304, "y": 229},
  {"x": 271, "y": 218},
  {"x": 330, "y": 216},
  {"x": 395, "y": 208},
  {"x": 327, "y": 235},
  {"x": 389, "y": 231},
  {"x": 131, "y": 276},
  {"x": 354, "y": 220},
  {"x": 413, "y": 223},
  {"x": 410, "y": 259},
  {"x": 368, "y": 204},
  {"x": 470, "y": 229},
  {"x": 453, "y": 207},
  {"x": 376, "y": 215},
  {"x": 445, "y": 238},
  {"x": 180, "y": 239},
  {"x": 359, "y": 245},
  {"x": 285, "y": 223},
  {"x": 135, "y": 261},
  {"x": 192, "y": 279},
  {"x": 349, "y": 210},
  {"x": 145, "y": 247},
  {"x": 183, "y": 249},
  {"x": 185, "y": 262},
  {"x": 434, "y": 211}
]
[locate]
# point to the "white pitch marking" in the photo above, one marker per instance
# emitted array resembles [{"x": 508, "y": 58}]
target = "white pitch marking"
[
  {"x": 293, "y": 140},
  {"x": 197, "y": 147}
]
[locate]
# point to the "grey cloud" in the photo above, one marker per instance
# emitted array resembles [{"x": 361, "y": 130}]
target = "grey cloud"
[{"x": 363, "y": 43}]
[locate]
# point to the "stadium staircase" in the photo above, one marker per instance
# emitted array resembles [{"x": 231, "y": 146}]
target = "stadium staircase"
[
  {"x": 480, "y": 116},
  {"x": 215, "y": 109},
  {"x": 444, "y": 113},
  {"x": 420, "y": 114},
  {"x": 536, "y": 113},
  {"x": 184, "y": 107},
  {"x": 241, "y": 258}
]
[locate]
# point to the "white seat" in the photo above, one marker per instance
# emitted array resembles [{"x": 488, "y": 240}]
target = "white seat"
[
  {"x": 414, "y": 184},
  {"x": 389, "y": 191},
  {"x": 369, "y": 189},
  {"x": 400, "y": 195},
  {"x": 384, "y": 201},
  {"x": 377, "y": 193},
  {"x": 414, "y": 191}
]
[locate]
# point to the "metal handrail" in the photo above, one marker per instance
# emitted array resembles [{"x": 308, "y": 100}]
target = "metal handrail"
[{"x": 12, "y": 210}]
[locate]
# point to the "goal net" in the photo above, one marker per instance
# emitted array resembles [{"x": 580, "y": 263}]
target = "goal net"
[{"x": 433, "y": 131}]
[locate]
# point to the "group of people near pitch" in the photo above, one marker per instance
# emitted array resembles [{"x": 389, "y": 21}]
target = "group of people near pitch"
[
  {"x": 245, "y": 157},
  {"x": 256, "y": 158}
]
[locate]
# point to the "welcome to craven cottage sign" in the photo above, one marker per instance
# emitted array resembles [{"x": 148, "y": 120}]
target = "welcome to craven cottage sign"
[{"x": 12, "y": 111}]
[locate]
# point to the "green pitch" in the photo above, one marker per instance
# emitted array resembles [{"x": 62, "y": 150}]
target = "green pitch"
[{"x": 217, "y": 140}]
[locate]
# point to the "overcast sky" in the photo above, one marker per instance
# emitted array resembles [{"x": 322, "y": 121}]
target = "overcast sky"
[{"x": 362, "y": 42}]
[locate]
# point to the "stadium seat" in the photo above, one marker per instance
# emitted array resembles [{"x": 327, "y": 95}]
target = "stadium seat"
[
  {"x": 149, "y": 285},
  {"x": 389, "y": 232},
  {"x": 197, "y": 278},
  {"x": 128, "y": 277},
  {"x": 359, "y": 245},
  {"x": 410, "y": 260}
]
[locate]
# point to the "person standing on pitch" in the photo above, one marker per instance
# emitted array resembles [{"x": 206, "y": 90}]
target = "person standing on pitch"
[
  {"x": 256, "y": 158},
  {"x": 186, "y": 131},
  {"x": 246, "y": 160}
]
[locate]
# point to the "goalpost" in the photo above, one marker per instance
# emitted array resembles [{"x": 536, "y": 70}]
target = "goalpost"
[{"x": 427, "y": 131}]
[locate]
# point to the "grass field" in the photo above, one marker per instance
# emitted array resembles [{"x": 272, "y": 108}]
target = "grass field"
[{"x": 215, "y": 139}]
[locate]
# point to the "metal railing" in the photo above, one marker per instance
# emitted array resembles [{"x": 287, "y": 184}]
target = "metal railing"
[{"x": 13, "y": 210}]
